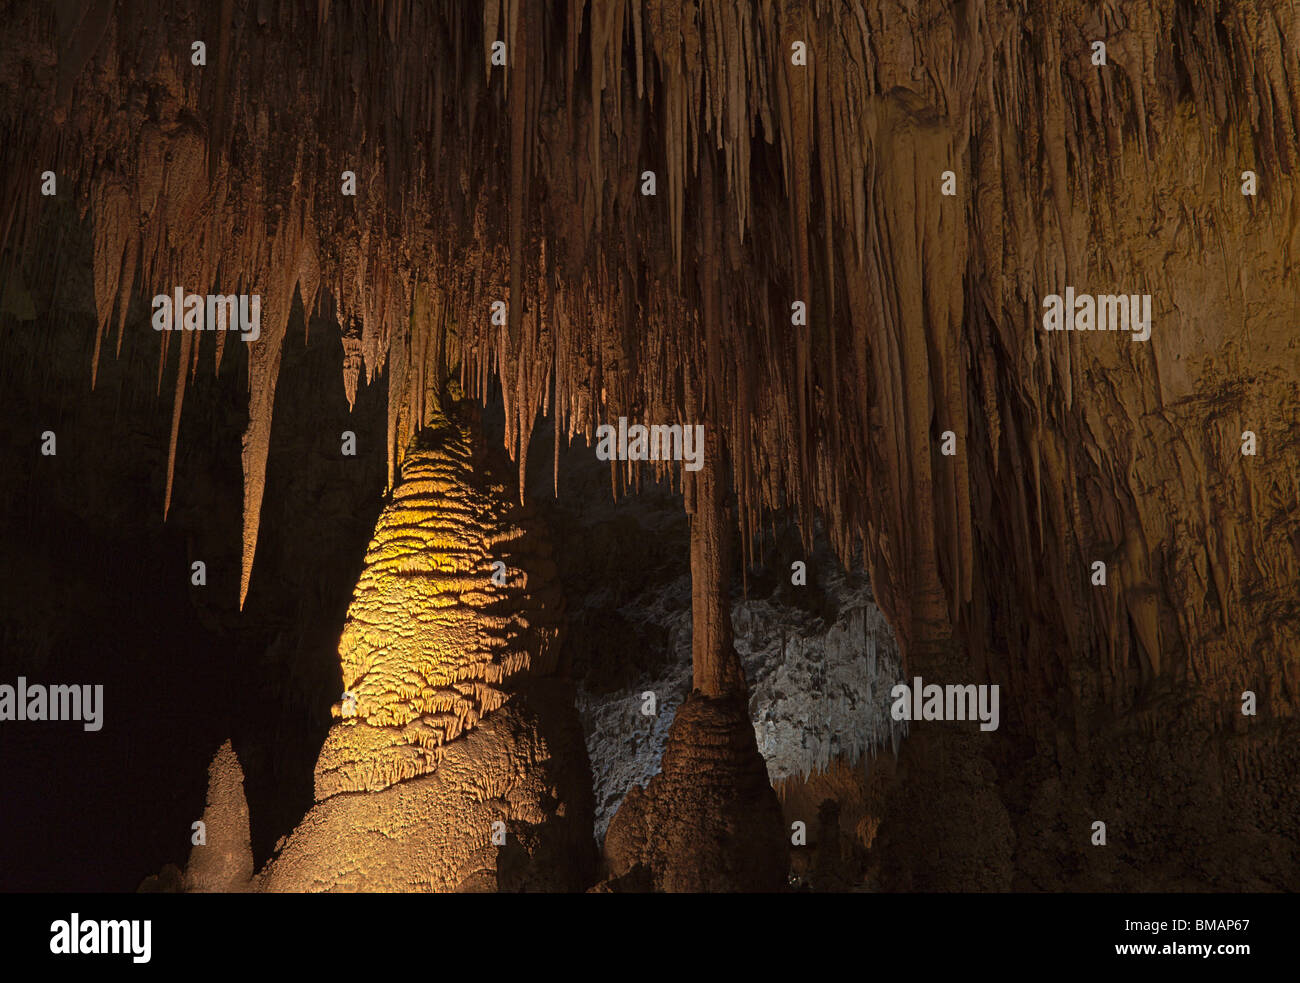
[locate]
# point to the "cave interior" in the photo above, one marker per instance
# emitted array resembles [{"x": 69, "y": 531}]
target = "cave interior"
[{"x": 616, "y": 401}]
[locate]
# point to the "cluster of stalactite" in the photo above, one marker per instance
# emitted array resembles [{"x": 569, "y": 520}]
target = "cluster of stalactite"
[{"x": 780, "y": 179}]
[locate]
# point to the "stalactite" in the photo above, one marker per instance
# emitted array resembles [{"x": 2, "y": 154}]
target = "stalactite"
[
  {"x": 717, "y": 671},
  {"x": 523, "y": 184}
]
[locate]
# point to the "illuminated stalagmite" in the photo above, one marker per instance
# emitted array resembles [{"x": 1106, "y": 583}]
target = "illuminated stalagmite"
[
  {"x": 801, "y": 149},
  {"x": 456, "y": 760},
  {"x": 457, "y": 601}
]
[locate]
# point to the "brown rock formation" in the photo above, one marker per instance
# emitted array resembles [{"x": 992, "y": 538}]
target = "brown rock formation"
[
  {"x": 225, "y": 862},
  {"x": 840, "y": 810},
  {"x": 709, "y": 821}
]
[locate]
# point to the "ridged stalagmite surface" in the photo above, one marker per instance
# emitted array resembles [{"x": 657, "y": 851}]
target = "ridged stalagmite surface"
[
  {"x": 458, "y": 598},
  {"x": 450, "y": 721},
  {"x": 524, "y": 767}
]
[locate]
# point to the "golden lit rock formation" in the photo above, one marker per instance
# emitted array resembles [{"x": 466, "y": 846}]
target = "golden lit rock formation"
[
  {"x": 451, "y": 728},
  {"x": 457, "y": 599},
  {"x": 523, "y": 767}
]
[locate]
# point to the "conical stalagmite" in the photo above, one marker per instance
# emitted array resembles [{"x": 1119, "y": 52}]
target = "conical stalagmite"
[
  {"x": 456, "y": 760},
  {"x": 224, "y": 861}
]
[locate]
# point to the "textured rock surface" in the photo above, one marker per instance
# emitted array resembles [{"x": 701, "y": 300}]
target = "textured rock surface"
[
  {"x": 458, "y": 598},
  {"x": 709, "y": 820},
  {"x": 449, "y": 723},
  {"x": 819, "y": 689},
  {"x": 522, "y": 766},
  {"x": 224, "y": 863}
]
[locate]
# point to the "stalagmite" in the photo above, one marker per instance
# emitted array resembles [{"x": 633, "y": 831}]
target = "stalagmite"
[
  {"x": 222, "y": 859},
  {"x": 433, "y": 642},
  {"x": 451, "y": 717},
  {"x": 709, "y": 821}
]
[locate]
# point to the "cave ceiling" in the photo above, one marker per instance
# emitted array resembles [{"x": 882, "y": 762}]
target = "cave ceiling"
[{"x": 799, "y": 280}]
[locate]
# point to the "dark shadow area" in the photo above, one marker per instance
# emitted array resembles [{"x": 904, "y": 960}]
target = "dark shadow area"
[{"x": 97, "y": 588}]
